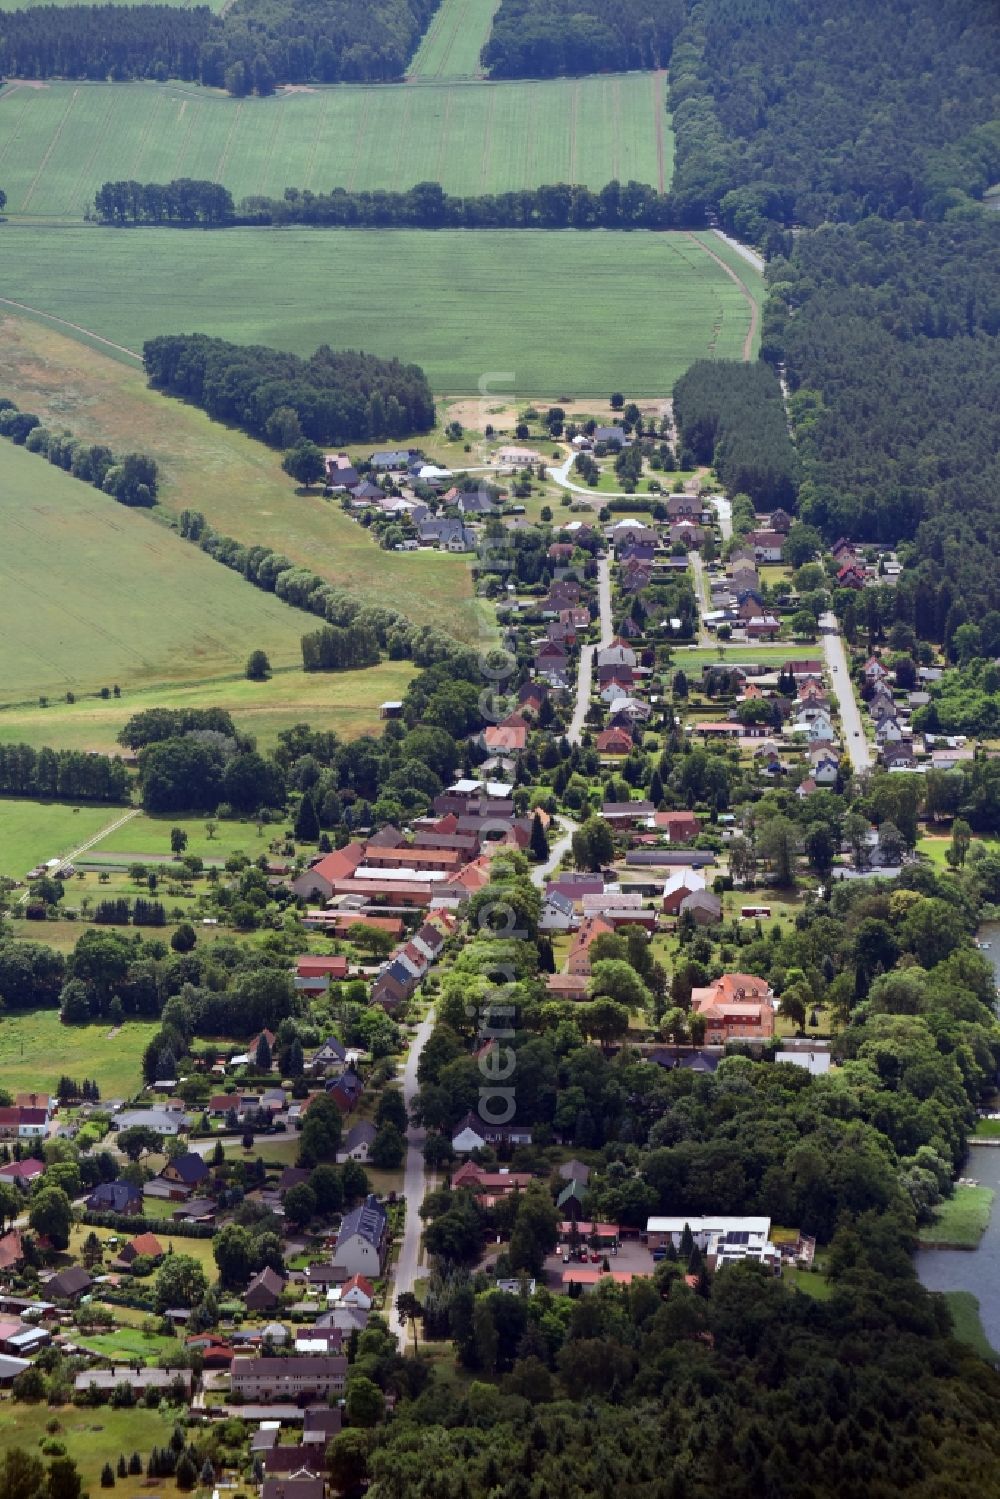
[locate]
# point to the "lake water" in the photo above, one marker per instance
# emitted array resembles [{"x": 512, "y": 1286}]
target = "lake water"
[{"x": 975, "y": 1270}]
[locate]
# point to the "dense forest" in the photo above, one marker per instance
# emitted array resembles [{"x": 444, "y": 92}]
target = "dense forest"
[
  {"x": 187, "y": 203},
  {"x": 330, "y": 397},
  {"x": 732, "y": 415},
  {"x": 806, "y": 111},
  {"x": 254, "y": 46},
  {"x": 891, "y": 338},
  {"x": 542, "y": 38}
]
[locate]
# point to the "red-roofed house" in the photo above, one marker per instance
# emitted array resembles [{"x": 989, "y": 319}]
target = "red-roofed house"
[
  {"x": 318, "y": 882},
  {"x": 680, "y": 827},
  {"x": 614, "y": 742}
]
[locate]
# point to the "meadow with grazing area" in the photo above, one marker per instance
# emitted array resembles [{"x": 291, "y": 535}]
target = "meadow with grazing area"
[
  {"x": 36, "y": 1049},
  {"x": 93, "y": 1436},
  {"x": 453, "y": 41},
  {"x": 95, "y": 593},
  {"x": 565, "y": 313},
  {"x": 235, "y": 481},
  {"x": 60, "y": 141},
  {"x": 345, "y": 702},
  {"x": 31, "y": 832}
]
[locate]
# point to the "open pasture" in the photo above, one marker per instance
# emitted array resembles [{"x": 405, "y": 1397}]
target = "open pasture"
[
  {"x": 93, "y": 1437},
  {"x": 532, "y": 312},
  {"x": 31, "y": 832},
  {"x": 36, "y": 1050},
  {"x": 60, "y": 141},
  {"x": 95, "y": 593}
]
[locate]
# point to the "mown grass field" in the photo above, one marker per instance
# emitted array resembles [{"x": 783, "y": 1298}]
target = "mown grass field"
[
  {"x": 92, "y": 1438},
  {"x": 60, "y": 141},
  {"x": 95, "y": 593},
  {"x": 960, "y": 1221},
  {"x": 527, "y": 311},
  {"x": 36, "y": 1050},
  {"x": 31, "y": 832},
  {"x": 453, "y": 41},
  {"x": 148, "y": 837},
  {"x": 236, "y": 482},
  {"x": 345, "y": 702}
]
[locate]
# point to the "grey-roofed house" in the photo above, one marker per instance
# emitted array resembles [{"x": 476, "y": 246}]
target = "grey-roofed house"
[
  {"x": 116, "y": 1197},
  {"x": 163, "y": 1121},
  {"x": 10, "y": 1368},
  {"x": 289, "y": 1378},
  {"x": 68, "y": 1284},
  {"x": 358, "y": 1142},
  {"x": 575, "y": 1171},
  {"x": 387, "y": 459},
  {"x": 361, "y": 1242},
  {"x": 264, "y": 1291}
]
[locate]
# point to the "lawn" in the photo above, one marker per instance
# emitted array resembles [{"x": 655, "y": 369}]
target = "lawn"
[
  {"x": 95, "y": 593},
  {"x": 146, "y": 836},
  {"x": 964, "y": 1308},
  {"x": 198, "y": 1249},
  {"x": 36, "y": 1051},
  {"x": 453, "y": 41},
  {"x": 31, "y": 832},
  {"x": 550, "y": 325},
  {"x": 92, "y": 1438},
  {"x": 345, "y": 702},
  {"x": 236, "y": 482},
  {"x": 809, "y": 1282},
  {"x": 59, "y": 142},
  {"x": 960, "y": 1221}
]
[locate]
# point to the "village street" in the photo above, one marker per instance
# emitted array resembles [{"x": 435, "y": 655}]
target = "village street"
[
  {"x": 843, "y": 689},
  {"x": 414, "y": 1183}
]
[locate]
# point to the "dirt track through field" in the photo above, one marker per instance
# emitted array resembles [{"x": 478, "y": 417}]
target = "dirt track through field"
[
  {"x": 748, "y": 294},
  {"x": 76, "y": 327}
]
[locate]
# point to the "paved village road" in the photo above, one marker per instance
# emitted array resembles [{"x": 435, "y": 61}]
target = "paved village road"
[
  {"x": 414, "y": 1183},
  {"x": 843, "y": 687},
  {"x": 585, "y": 672}
]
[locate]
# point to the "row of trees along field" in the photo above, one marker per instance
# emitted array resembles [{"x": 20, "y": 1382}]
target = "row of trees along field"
[
  {"x": 330, "y": 397},
  {"x": 559, "y": 205},
  {"x": 390, "y": 631},
  {"x": 542, "y": 38},
  {"x": 131, "y": 479},
  {"x": 732, "y": 415},
  {"x": 835, "y": 110},
  {"x": 253, "y": 46},
  {"x": 891, "y": 339}
]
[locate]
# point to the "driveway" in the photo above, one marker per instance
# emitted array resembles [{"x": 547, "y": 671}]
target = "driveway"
[{"x": 843, "y": 689}]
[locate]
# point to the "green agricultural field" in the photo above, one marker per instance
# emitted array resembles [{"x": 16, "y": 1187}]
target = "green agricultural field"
[
  {"x": 532, "y": 312},
  {"x": 451, "y": 46},
  {"x": 31, "y": 832},
  {"x": 345, "y": 702},
  {"x": 36, "y": 1051},
  {"x": 235, "y": 481},
  {"x": 92, "y": 1438},
  {"x": 960, "y": 1221},
  {"x": 60, "y": 141},
  {"x": 95, "y": 593}
]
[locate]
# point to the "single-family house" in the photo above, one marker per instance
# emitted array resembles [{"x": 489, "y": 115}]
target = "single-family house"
[
  {"x": 362, "y": 1240},
  {"x": 357, "y": 1143},
  {"x": 264, "y": 1291},
  {"x": 679, "y": 886},
  {"x": 473, "y": 1132}
]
